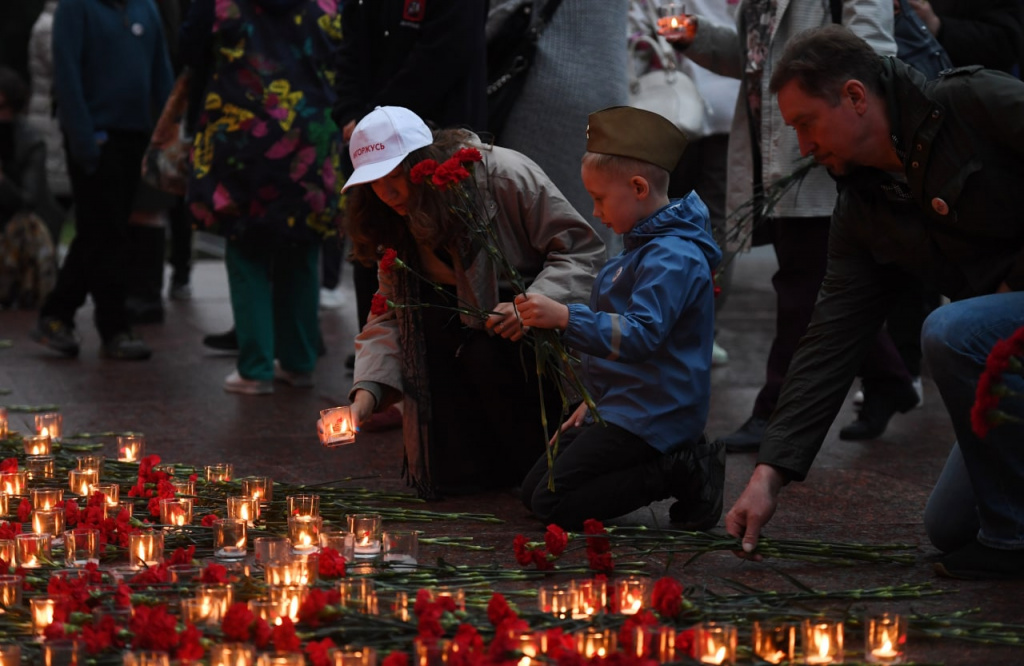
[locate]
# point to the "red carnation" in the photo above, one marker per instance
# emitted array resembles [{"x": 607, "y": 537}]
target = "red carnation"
[
  {"x": 332, "y": 563},
  {"x": 24, "y": 511},
  {"x": 9, "y": 465},
  {"x": 379, "y": 304},
  {"x": 208, "y": 519},
  {"x": 449, "y": 173},
  {"x": 261, "y": 632},
  {"x": 214, "y": 574},
  {"x": 395, "y": 658},
  {"x": 182, "y": 555},
  {"x": 467, "y": 155},
  {"x": 422, "y": 171},
  {"x": 388, "y": 261},
  {"x": 498, "y": 610},
  {"x": 600, "y": 561},
  {"x": 667, "y": 597},
  {"x": 237, "y": 622},
  {"x": 686, "y": 643},
  {"x": 283, "y": 636},
  {"x": 556, "y": 540},
  {"x": 317, "y": 651},
  {"x": 191, "y": 646},
  {"x": 154, "y": 629},
  {"x": 522, "y": 552}
]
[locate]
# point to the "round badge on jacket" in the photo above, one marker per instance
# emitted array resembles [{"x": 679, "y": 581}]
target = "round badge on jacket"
[{"x": 940, "y": 206}]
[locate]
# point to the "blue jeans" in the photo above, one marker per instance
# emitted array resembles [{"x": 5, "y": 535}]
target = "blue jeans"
[{"x": 986, "y": 473}]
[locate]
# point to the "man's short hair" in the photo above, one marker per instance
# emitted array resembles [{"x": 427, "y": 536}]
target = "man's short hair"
[
  {"x": 627, "y": 167},
  {"x": 822, "y": 59}
]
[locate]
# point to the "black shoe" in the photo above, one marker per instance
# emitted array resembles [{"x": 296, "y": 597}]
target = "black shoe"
[
  {"x": 748, "y": 437},
  {"x": 881, "y": 401},
  {"x": 125, "y": 347},
  {"x": 222, "y": 342},
  {"x": 977, "y": 562},
  {"x": 697, "y": 481},
  {"x": 56, "y": 335}
]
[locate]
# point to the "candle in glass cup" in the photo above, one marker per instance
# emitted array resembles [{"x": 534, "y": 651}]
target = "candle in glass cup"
[
  {"x": 401, "y": 548},
  {"x": 3, "y": 423},
  {"x": 456, "y": 594},
  {"x": 215, "y": 600},
  {"x": 146, "y": 548},
  {"x": 271, "y": 550},
  {"x": 50, "y": 424},
  {"x": 36, "y": 445},
  {"x": 243, "y": 508},
  {"x": 337, "y": 426},
  {"x": 264, "y": 609},
  {"x": 10, "y": 654},
  {"x": 81, "y": 481},
  {"x": 232, "y": 654},
  {"x": 46, "y": 498},
  {"x": 303, "y": 505},
  {"x": 90, "y": 461},
  {"x": 557, "y": 600},
  {"x": 593, "y": 642},
  {"x": 280, "y": 659},
  {"x": 260, "y": 488},
  {"x": 774, "y": 643},
  {"x": 184, "y": 486},
  {"x": 64, "y": 652},
  {"x": 631, "y": 594},
  {"x": 341, "y": 541},
  {"x": 176, "y": 511},
  {"x": 8, "y": 551},
  {"x": 126, "y": 505},
  {"x": 145, "y": 658},
  {"x": 229, "y": 538},
  {"x": 885, "y": 639},
  {"x": 49, "y": 521},
  {"x": 40, "y": 467},
  {"x": 591, "y": 598},
  {"x": 393, "y": 603},
  {"x": 357, "y": 594},
  {"x": 219, "y": 472},
  {"x": 655, "y": 642},
  {"x": 822, "y": 641},
  {"x": 291, "y": 572},
  {"x": 673, "y": 23},
  {"x": 715, "y": 643},
  {"x": 81, "y": 546},
  {"x": 304, "y": 533},
  {"x": 131, "y": 448},
  {"x": 352, "y": 656},
  {"x": 111, "y": 492},
  {"x": 13, "y": 483},
  {"x": 44, "y": 610},
  {"x": 10, "y": 590},
  {"x": 367, "y": 530},
  {"x": 287, "y": 599},
  {"x": 33, "y": 550}
]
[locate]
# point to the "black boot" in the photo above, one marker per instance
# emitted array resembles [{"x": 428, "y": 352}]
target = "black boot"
[
  {"x": 881, "y": 401},
  {"x": 697, "y": 481}
]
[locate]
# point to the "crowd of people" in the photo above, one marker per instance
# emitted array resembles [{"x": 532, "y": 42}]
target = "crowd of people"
[{"x": 606, "y": 224}]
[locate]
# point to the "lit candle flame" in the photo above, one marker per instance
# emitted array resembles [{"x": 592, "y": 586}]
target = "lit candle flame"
[
  {"x": 714, "y": 654},
  {"x": 46, "y": 433},
  {"x": 674, "y": 23},
  {"x": 142, "y": 552}
]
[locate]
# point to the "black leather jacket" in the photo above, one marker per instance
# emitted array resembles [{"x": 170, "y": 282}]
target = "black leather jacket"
[{"x": 956, "y": 223}]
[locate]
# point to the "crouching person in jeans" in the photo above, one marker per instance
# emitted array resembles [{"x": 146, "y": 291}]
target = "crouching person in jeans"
[{"x": 645, "y": 339}]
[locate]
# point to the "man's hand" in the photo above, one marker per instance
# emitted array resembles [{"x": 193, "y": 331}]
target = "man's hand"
[
  {"x": 506, "y": 322},
  {"x": 542, "y": 312},
  {"x": 926, "y": 13},
  {"x": 755, "y": 507}
]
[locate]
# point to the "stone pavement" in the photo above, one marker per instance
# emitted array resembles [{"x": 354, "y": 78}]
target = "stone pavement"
[{"x": 869, "y": 492}]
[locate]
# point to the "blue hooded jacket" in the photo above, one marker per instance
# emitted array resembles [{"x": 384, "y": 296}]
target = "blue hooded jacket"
[{"x": 647, "y": 333}]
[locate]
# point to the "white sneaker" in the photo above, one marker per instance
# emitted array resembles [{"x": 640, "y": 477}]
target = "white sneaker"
[
  {"x": 296, "y": 379},
  {"x": 236, "y": 383},
  {"x": 331, "y": 299},
  {"x": 718, "y": 355}
]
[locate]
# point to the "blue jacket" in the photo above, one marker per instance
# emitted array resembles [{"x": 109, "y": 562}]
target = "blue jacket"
[
  {"x": 646, "y": 336},
  {"x": 111, "y": 71}
]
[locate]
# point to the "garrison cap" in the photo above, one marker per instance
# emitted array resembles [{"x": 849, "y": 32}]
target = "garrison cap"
[{"x": 630, "y": 132}]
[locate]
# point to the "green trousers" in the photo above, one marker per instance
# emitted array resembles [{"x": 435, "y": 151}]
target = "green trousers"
[{"x": 275, "y": 291}]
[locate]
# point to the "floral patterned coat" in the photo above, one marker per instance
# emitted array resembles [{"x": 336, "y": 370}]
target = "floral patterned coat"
[{"x": 265, "y": 163}]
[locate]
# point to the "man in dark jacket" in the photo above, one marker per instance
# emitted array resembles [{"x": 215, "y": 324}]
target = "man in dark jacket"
[{"x": 929, "y": 176}]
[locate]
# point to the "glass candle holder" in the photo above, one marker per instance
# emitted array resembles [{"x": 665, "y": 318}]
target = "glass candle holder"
[
  {"x": 46, "y": 498},
  {"x": 176, "y": 511},
  {"x": 40, "y": 467},
  {"x": 303, "y": 505},
  {"x": 631, "y": 594},
  {"x": 229, "y": 538},
  {"x": 337, "y": 427},
  {"x": 8, "y": 551},
  {"x": 715, "y": 643},
  {"x": 822, "y": 641},
  {"x": 304, "y": 533},
  {"x": 44, "y": 610},
  {"x": 367, "y": 530},
  {"x": 14, "y": 483},
  {"x": 111, "y": 492},
  {"x": 432, "y": 651},
  {"x": 457, "y": 595},
  {"x": 36, "y": 445},
  {"x": 401, "y": 548},
  {"x": 287, "y": 599},
  {"x": 352, "y": 656},
  {"x": 50, "y": 424},
  {"x": 654, "y": 642},
  {"x": 126, "y": 505},
  {"x": 219, "y": 472},
  {"x": 145, "y": 658},
  {"x": 557, "y": 600},
  {"x": 393, "y": 603},
  {"x": 10, "y": 590},
  {"x": 215, "y": 600},
  {"x": 292, "y": 572},
  {"x": 64, "y": 652},
  {"x": 774, "y": 643},
  {"x": 271, "y": 550},
  {"x": 341, "y": 541},
  {"x": 146, "y": 548},
  {"x": 10, "y": 654},
  {"x": 673, "y": 22},
  {"x": 591, "y": 598},
  {"x": 49, "y": 521},
  {"x": 243, "y": 508},
  {"x": 260, "y": 488},
  {"x": 264, "y": 609},
  {"x": 3, "y": 423},
  {"x": 281, "y": 659},
  {"x": 185, "y": 487},
  {"x": 131, "y": 448},
  {"x": 197, "y": 612},
  {"x": 357, "y": 594},
  {"x": 81, "y": 481},
  {"x": 89, "y": 461},
  {"x": 184, "y": 573},
  {"x": 232, "y": 654},
  {"x": 593, "y": 642},
  {"x": 885, "y": 639},
  {"x": 4, "y": 504},
  {"x": 33, "y": 550}
]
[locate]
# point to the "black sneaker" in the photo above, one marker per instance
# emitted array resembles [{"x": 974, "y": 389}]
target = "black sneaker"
[
  {"x": 881, "y": 402},
  {"x": 698, "y": 483},
  {"x": 747, "y": 438},
  {"x": 56, "y": 335},
  {"x": 125, "y": 347},
  {"x": 222, "y": 342},
  {"x": 977, "y": 562}
]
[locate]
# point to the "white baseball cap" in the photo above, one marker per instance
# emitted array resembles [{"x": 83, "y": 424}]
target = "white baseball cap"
[{"x": 382, "y": 139}]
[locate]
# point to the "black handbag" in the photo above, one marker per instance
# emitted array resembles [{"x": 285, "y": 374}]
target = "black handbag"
[{"x": 511, "y": 48}]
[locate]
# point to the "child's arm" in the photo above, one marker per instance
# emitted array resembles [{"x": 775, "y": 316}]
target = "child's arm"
[{"x": 539, "y": 311}]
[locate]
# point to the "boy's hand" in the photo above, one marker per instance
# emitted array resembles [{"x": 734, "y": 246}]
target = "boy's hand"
[
  {"x": 506, "y": 322},
  {"x": 575, "y": 420},
  {"x": 542, "y": 312}
]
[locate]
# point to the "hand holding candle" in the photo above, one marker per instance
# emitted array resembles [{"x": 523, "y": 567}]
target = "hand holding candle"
[
  {"x": 336, "y": 426},
  {"x": 674, "y": 25}
]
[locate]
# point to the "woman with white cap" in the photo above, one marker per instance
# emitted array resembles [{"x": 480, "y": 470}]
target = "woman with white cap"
[{"x": 471, "y": 414}]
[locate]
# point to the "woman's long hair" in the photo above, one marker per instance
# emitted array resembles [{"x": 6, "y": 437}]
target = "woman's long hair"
[{"x": 371, "y": 224}]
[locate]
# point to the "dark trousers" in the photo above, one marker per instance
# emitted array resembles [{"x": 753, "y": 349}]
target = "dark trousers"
[
  {"x": 330, "y": 263},
  {"x": 600, "y": 472},
  {"x": 801, "y": 246},
  {"x": 486, "y": 428},
  {"x": 95, "y": 261},
  {"x": 181, "y": 223}
]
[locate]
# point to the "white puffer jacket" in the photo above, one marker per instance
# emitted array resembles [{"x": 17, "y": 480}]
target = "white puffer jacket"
[{"x": 40, "y": 106}]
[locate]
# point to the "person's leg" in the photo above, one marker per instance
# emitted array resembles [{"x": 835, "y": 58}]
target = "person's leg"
[
  {"x": 249, "y": 270},
  {"x": 956, "y": 340},
  {"x": 296, "y": 287},
  {"x": 951, "y": 515},
  {"x": 888, "y": 388},
  {"x": 605, "y": 471},
  {"x": 180, "y": 224}
]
